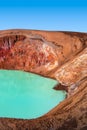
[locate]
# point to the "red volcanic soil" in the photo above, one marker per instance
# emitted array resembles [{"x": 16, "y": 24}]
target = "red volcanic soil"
[{"x": 58, "y": 55}]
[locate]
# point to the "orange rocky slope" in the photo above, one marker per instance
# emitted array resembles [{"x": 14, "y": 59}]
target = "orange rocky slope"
[{"x": 59, "y": 55}]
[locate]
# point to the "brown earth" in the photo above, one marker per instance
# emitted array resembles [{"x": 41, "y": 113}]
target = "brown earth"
[{"x": 58, "y": 55}]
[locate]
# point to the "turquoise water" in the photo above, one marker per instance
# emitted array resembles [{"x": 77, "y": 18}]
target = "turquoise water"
[{"x": 26, "y": 95}]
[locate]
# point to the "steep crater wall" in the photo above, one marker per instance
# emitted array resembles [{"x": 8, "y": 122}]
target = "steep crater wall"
[{"x": 38, "y": 52}]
